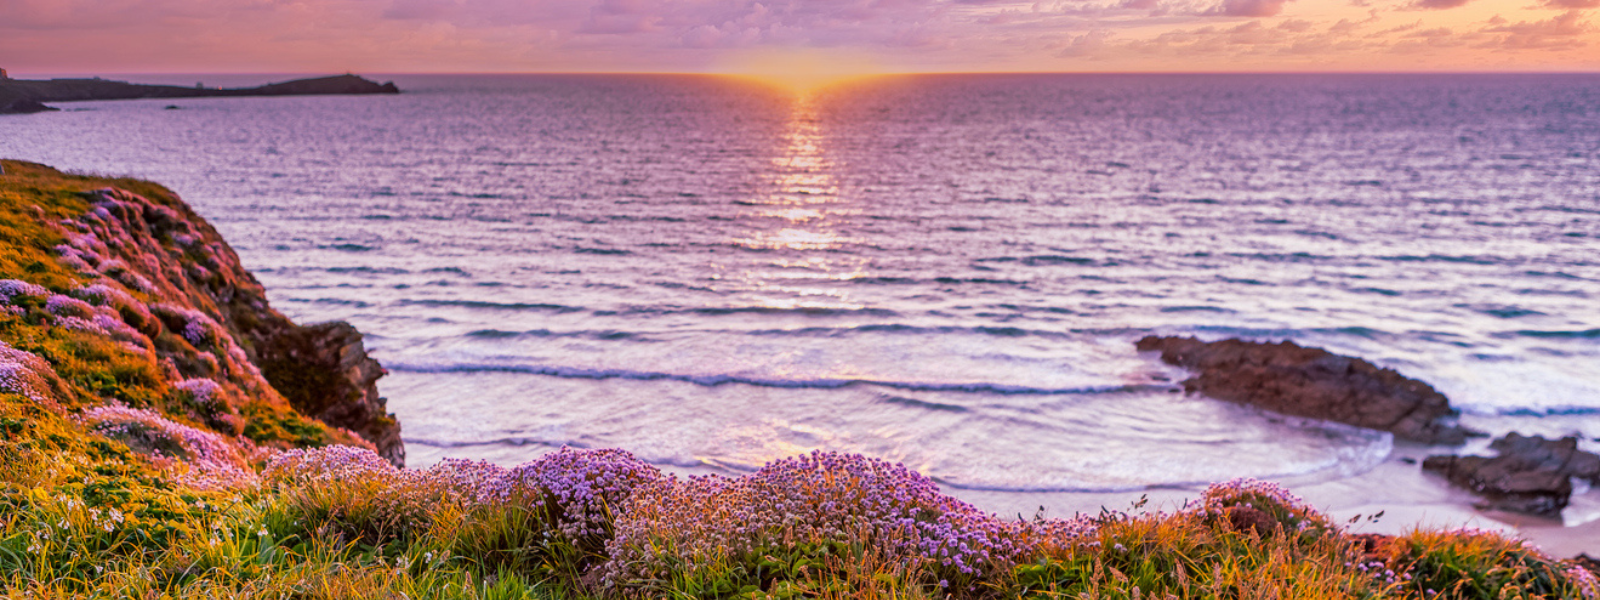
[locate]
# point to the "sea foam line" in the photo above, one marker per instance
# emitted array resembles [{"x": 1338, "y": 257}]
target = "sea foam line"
[{"x": 713, "y": 380}]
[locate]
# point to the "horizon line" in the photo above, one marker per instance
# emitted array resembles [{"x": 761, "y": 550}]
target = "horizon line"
[{"x": 22, "y": 76}]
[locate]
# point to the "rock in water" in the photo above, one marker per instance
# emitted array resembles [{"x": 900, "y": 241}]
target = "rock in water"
[
  {"x": 1530, "y": 474},
  {"x": 22, "y": 106},
  {"x": 1311, "y": 382}
]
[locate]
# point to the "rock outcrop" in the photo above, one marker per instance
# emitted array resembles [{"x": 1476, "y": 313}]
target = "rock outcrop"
[
  {"x": 1530, "y": 474},
  {"x": 325, "y": 373},
  {"x": 1311, "y": 382}
]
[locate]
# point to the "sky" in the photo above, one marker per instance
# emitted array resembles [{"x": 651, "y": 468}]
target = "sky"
[{"x": 820, "y": 36}]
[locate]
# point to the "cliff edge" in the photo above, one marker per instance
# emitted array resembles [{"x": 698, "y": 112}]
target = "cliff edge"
[{"x": 114, "y": 293}]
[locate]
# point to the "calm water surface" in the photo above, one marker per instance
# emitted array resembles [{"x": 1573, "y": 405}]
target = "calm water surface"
[{"x": 947, "y": 271}]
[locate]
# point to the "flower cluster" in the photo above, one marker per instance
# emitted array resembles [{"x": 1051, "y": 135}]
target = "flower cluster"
[
  {"x": 213, "y": 462},
  {"x": 1269, "y": 498},
  {"x": 100, "y": 294},
  {"x": 329, "y": 463},
  {"x": 818, "y": 497},
  {"x": 476, "y": 481},
  {"x": 1585, "y": 581},
  {"x": 202, "y": 392},
  {"x": 25, "y": 374},
  {"x": 10, "y": 289},
  {"x": 198, "y": 328},
  {"x": 68, "y": 306},
  {"x": 579, "y": 489},
  {"x": 1381, "y": 572}
]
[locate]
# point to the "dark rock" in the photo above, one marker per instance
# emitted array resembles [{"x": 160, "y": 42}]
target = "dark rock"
[
  {"x": 1530, "y": 474},
  {"x": 1311, "y": 382},
  {"x": 23, "y": 106},
  {"x": 325, "y": 373}
]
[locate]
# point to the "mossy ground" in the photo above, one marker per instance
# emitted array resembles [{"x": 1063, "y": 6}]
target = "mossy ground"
[{"x": 88, "y": 514}]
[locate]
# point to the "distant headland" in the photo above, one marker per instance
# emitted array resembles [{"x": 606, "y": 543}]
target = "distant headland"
[{"x": 19, "y": 96}]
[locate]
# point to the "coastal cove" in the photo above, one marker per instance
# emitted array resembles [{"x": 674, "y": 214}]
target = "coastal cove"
[
  {"x": 164, "y": 432},
  {"x": 714, "y": 275}
]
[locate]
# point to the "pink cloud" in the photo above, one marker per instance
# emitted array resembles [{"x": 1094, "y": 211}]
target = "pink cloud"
[
  {"x": 1249, "y": 8},
  {"x": 1561, "y": 32},
  {"x": 108, "y": 36},
  {"x": 1089, "y": 45},
  {"x": 1438, "y": 4}
]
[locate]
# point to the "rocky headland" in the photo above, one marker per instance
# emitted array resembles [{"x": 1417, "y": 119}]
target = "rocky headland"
[{"x": 19, "y": 96}]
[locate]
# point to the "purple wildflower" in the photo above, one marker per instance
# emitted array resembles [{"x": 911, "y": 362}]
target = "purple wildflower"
[{"x": 212, "y": 461}]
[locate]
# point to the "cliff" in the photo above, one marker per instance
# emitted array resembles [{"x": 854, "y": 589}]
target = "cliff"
[
  {"x": 26, "y": 96},
  {"x": 114, "y": 293}
]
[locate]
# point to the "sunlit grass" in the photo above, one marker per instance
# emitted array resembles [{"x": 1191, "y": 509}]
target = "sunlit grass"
[{"x": 339, "y": 523}]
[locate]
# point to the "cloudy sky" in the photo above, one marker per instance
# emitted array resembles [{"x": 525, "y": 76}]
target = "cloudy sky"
[{"x": 392, "y": 36}]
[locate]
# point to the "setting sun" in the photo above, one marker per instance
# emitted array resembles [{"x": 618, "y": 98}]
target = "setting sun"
[{"x": 799, "y": 70}]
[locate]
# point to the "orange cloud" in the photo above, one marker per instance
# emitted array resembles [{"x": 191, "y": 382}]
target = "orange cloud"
[{"x": 108, "y": 36}]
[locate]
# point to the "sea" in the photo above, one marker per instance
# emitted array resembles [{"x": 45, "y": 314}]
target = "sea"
[{"x": 947, "y": 271}]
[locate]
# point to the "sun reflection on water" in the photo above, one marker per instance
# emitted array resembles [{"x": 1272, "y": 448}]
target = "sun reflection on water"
[{"x": 803, "y": 213}]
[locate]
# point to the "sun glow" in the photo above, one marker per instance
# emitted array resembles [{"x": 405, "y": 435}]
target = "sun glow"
[{"x": 800, "y": 71}]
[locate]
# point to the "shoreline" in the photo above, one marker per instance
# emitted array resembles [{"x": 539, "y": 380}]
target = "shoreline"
[{"x": 1407, "y": 498}]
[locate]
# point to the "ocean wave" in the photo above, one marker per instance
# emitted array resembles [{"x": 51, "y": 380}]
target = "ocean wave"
[
  {"x": 800, "y": 332},
  {"x": 541, "y": 307},
  {"x": 1276, "y": 334},
  {"x": 349, "y": 247},
  {"x": 1503, "y": 311},
  {"x": 923, "y": 404},
  {"x": 1545, "y": 411},
  {"x": 886, "y": 280},
  {"x": 1584, "y": 334},
  {"x": 1198, "y": 308},
  {"x": 604, "y": 335},
  {"x": 897, "y": 328},
  {"x": 769, "y": 310},
  {"x": 1474, "y": 260},
  {"x": 719, "y": 379},
  {"x": 368, "y": 270}
]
